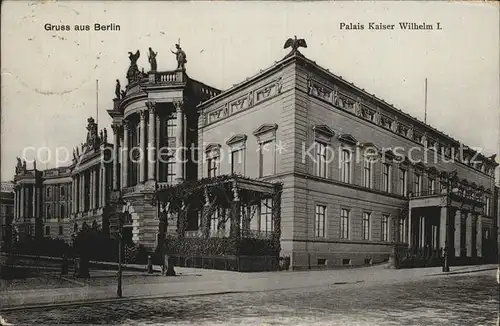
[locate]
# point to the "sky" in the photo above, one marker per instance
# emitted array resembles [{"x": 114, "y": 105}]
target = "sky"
[{"x": 48, "y": 78}]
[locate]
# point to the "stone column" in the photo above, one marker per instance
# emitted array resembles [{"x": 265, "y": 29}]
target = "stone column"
[
  {"x": 22, "y": 201},
  {"x": 125, "y": 155},
  {"x": 235, "y": 214},
  {"x": 468, "y": 233},
  {"x": 157, "y": 142},
  {"x": 142, "y": 145},
  {"x": 72, "y": 195},
  {"x": 82, "y": 189},
  {"x": 458, "y": 225},
  {"x": 410, "y": 243},
  {"x": 179, "y": 137},
  {"x": 421, "y": 233},
  {"x": 116, "y": 173},
  {"x": 93, "y": 190},
  {"x": 16, "y": 200},
  {"x": 103, "y": 180},
  {"x": 151, "y": 141},
  {"x": 479, "y": 236},
  {"x": 34, "y": 201}
]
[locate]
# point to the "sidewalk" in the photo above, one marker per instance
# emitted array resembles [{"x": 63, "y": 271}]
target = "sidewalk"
[{"x": 219, "y": 282}]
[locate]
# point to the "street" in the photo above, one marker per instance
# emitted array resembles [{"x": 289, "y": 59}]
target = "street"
[{"x": 463, "y": 299}]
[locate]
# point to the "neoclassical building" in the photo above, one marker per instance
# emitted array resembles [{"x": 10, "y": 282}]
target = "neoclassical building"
[{"x": 358, "y": 175}]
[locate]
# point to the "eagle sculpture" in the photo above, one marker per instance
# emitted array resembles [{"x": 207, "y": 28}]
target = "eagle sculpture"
[
  {"x": 295, "y": 43},
  {"x": 134, "y": 57}
]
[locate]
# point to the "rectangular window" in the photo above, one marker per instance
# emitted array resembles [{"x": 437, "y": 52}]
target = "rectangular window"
[
  {"x": 432, "y": 186},
  {"x": 266, "y": 158},
  {"x": 171, "y": 126},
  {"x": 344, "y": 223},
  {"x": 319, "y": 221},
  {"x": 345, "y": 168},
  {"x": 386, "y": 177},
  {"x": 171, "y": 170},
  {"x": 367, "y": 173},
  {"x": 212, "y": 167},
  {"x": 214, "y": 221},
  {"x": 266, "y": 216},
  {"x": 60, "y": 230},
  {"x": 321, "y": 159},
  {"x": 403, "y": 184},
  {"x": 47, "y": 230},
  {"x": 366, "y": 226},
  {"x": 435, "y": 237},
  {"x": 487, "y": 206},
  {"x": 402, "y": 230},
  {"x": 385, "y": 228},
  {"x": 417, "y": 184},
  {"x": 237, "y": 161}
]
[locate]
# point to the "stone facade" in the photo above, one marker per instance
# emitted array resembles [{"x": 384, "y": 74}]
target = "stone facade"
[{"x": 295, "y": 123}]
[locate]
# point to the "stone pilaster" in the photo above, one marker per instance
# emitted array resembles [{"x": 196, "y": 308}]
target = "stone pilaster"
[
  {"x": 82, "y": 190},
  {"x": 116, "y": 172},
  {"x": 34, "y": 201},
  {"x": 142, "y": 145},
  {"x": 479, "y": 236},
  {"x": 125, "y": 155},
  {"x": 179, "y": 142},
  {"x": 458, "y": 225},
  {"x": 22, "y": 201},
  {"x": 103, "y": 185},
  {"x": 151, "y": 140},
  {"x": 16, "y": 200},
  {"x": 468, "y": 233},
  {"x": 410, "y": 238}
]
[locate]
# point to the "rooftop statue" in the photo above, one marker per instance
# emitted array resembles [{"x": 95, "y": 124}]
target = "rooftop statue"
[
  {"x": 180, "y": 55},
  {"x": 133, "y": 71},
  {"x": 152, "y": 59},
  {"x": 19, "y": 165},
  {"x": 295, "y": 44},
  {"x": 117, "y": 89}
]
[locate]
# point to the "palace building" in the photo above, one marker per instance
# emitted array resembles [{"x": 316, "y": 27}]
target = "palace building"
[{"x": 358, "y": 176}]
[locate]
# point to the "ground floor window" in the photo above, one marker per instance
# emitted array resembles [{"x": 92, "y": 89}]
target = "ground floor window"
[
  {"x": 402, "y": 230},
  {"x": 385, "y": 228},
  {"x": 47, "y": 230},
  {"x": 319, "y": 221}
]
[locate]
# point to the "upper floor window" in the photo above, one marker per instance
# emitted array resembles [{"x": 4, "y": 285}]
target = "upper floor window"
[
  {"x": 213, "y": 160},
  {"x": 319, "y": 221},
  {"x": 367, "y": 173},
  {"x": 385, "y": 228},
  {"x": 171, "y": 126},
  {"x": 49, "y": 211},
  {"x": 403, "y": 182},
  {"x": 432, "y": 186},
  {"x": 366, "y": 226},
  {"x": 62, "y": 211},
  {"x": 386, "y": 177},
  {"x": 267, "y": 159},
  {"x": 48, "y": 192},
  {"x": 344, "y": 223},
  {"x": 321, "y": 159},
  {"x": 487, "y": 208},
  {"x": 266, "y": 138},
  {"x": 171, "y": 170},
  {"x": 417, "y": 183},
  {"x": 345, "y": 166},
  {"x": 62, "y": 191},
  {"x": 237, "y": 150}
]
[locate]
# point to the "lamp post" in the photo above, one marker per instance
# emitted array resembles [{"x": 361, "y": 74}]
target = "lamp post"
[{"x": 449, "y": 188}]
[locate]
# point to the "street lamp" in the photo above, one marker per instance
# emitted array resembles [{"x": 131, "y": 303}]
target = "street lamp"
[{"x": 450, "y": 184}]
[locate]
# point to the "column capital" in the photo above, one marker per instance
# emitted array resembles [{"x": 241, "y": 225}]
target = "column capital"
[
  {"x": 151, "y": 106},
  {"x": 178, "y": 105},
  {"x": 142, "y": 114},
  {"x": 116, "y": 127},
  {"x": 125, "y": 124}
]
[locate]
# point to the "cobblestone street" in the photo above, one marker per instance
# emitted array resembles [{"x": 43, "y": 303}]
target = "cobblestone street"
[{"x": 466, "y": 299}]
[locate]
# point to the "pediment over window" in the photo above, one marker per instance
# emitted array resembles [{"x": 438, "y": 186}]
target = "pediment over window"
[
  {"x": 348, "y": 138},
  {"x": 235, "y": 139},
  {"x": 404, "y": 160},
  {"x": 389, "y": 154},
  {"x": 464, "y": 182},
  {"x": 265, "y": 128},
  {"x": 212, "y": 147},
  {"x": 324, "y": 130}
]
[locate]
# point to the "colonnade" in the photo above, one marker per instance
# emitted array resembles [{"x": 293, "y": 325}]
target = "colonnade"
[
  {"x": 149, "y": 135},
  {"x": 89, "y": 188}
]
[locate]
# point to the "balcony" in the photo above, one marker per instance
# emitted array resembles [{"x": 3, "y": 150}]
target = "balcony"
[{"x": 167, "y": 77}]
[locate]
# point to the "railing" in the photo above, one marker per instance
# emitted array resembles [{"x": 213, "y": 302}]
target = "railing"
[
  {"x": 209, "y": 91},
  {"x": 168, "y": 77},
  {"x": 430, "y": 192},
  {"x": 128, "y": 190},
  {"x": 162, "y": 185}
]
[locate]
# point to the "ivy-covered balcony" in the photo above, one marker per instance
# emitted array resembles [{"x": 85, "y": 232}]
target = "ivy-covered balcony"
[{"x": 237, "y": 223}]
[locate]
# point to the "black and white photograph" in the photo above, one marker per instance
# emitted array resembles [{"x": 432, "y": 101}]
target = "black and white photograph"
[{"x": 250, "y": 163}]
